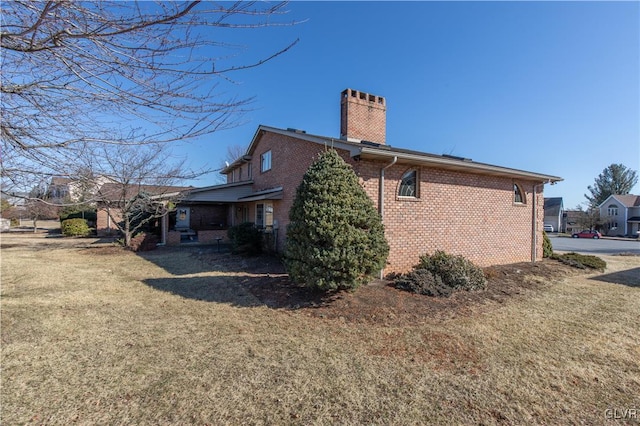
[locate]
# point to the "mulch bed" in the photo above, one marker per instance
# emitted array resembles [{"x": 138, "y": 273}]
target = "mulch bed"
[{"x": 380, "y": 302}]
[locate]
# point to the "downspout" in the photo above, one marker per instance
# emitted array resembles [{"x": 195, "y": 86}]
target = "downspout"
[
  {"x": 381, "y": 187},
  {"x": 164, "y": 225},
  {"x": 381, "y": 195}
]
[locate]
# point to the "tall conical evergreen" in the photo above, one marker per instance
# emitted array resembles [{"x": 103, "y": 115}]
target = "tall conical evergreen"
[{"x": 335, "y": 239}]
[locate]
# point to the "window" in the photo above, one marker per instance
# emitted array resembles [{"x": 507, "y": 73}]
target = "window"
[
  {"x": 265, "y": 161},
  {"x": 249, "y": 171},
  {"x": 612, "y": 210},
  {"x": 409, "y": 184},
  {"x": 518, "y": 194}
]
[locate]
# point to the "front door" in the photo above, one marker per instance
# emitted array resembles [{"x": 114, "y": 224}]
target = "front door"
[{"x": 182, "y": 218}]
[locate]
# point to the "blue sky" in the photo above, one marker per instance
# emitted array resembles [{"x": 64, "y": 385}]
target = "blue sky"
[{"x": 541, "y": 86}]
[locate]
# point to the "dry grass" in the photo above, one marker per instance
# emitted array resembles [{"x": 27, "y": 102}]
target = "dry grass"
[{"x": 95, "y": 336}]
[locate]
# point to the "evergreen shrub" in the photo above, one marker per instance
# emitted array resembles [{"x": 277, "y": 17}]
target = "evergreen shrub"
[
  {"x": 425, "y": 282},
  {"x": 70, "y": 213},
  {"x": 581, "y": 261},
  {"x": 450, "y": 273},
  {"x": 75, "y": 228},
  {"x": 547, "y": 247},
  {"x": 335, "y": 238},
  {"x": 246, "y": 239}
]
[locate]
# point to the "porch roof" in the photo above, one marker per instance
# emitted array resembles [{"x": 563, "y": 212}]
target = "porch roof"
[
  {"x": 634, "y": 219},
  {"x": 226, "y": 193},
  {"x": 267, "y": 194}
]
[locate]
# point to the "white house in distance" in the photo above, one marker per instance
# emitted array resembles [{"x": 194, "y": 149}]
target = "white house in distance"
[
  {"x": 621, "y": 215},
  {"x": 553, "y": 213}
]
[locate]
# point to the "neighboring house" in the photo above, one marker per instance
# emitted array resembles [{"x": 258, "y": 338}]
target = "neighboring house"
[
  {"x": 75, "y": 190},
  {"x": 572, "y": 221},
  {"x": 553, "y": 213},
  {"x": 621, "y": 215},
  {"x": 427, "y": 202}
]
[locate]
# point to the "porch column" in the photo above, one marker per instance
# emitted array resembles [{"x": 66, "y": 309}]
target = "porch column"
[{"x": 164, "y": 224}]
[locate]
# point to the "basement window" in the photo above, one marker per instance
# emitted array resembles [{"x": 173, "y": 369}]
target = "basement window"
[
  {"x": 409, "y": 184},
  {"x": 518, "y": 194}
]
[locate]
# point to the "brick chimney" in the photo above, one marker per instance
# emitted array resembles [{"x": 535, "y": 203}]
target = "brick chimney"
[{"x": 362, "y": 117}]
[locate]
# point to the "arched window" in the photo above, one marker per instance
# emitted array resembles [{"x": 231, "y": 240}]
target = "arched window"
[
  {"x": 409, "y": 184},
  {"x": 612, "y": 210},
  {"x": 518, "y": 194}
]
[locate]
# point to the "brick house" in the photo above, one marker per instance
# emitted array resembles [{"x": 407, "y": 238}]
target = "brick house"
[{"x": 428, "y": 202}]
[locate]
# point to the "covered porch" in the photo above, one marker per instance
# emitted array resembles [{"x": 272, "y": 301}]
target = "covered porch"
[{"x": 204, "y": 215}]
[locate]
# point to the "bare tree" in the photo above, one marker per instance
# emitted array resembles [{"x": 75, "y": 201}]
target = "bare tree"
[
  {"x": 37, "y": 207},
  {"x": 142, "y": 185},
  {"x": 80, "y": 74},
  {"x": 589, "y": 218},
  {"x": 234, "y": 152}
]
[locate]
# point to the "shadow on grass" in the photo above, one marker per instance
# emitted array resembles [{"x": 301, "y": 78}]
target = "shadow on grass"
[
  {"x": 219, "y": 289},
  {"x": 232, "y": 279},
  {"x": 630, "y": 277},
  {"x": 249, "y": 290}
]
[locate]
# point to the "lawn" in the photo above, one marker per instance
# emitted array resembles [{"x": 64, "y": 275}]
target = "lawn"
[{"x": 95, "y": 335}]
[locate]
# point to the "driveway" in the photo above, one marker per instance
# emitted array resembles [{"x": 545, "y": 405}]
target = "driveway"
[{"x": 589, "y": 246}]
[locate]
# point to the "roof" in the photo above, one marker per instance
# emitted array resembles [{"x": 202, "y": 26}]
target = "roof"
[
  {"x": 552, "y": 206},
  {"x": 267, "y": 194},
  {"x": 114, "y": 191},
  {"x": 627, "y": 200},
  {"x": 60, "y": 181},
  {"x": 225, "y": 193},
  {"x": 383, "y": 152}
]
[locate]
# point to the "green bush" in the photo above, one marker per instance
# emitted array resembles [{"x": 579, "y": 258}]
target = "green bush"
[
  {"x": 75, "y": 228},
  {"x": 245, "y": 238},
  {"x": 456, "y": 272},
  {"x": 547, "y": 248},
  {"x": 335, "y": 238},
  {"x": 425, "y": 282},
  {"x": 71, "y": 213},
  {"x": 581, "y": 261}
]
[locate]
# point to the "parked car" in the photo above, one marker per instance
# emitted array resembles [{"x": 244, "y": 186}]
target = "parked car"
[
  {"x": 548, "y": 228},
  {"x": 587, "y": 234}
]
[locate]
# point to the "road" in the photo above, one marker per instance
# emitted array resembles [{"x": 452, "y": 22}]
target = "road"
[{"x": 589, "y": 246}]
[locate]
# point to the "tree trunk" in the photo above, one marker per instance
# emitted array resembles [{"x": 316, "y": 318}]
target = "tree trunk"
[
  {"x": 35, "y": 225},
  {"x": 127, "y": 233}
]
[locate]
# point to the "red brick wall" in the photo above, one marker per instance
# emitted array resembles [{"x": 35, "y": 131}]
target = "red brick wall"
[
  {"x": 204, "y": 216},
  {"x": 461, "y": 213},
  {"x": 173, "y": 238},
  {"x": 104, "y": 225}
]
